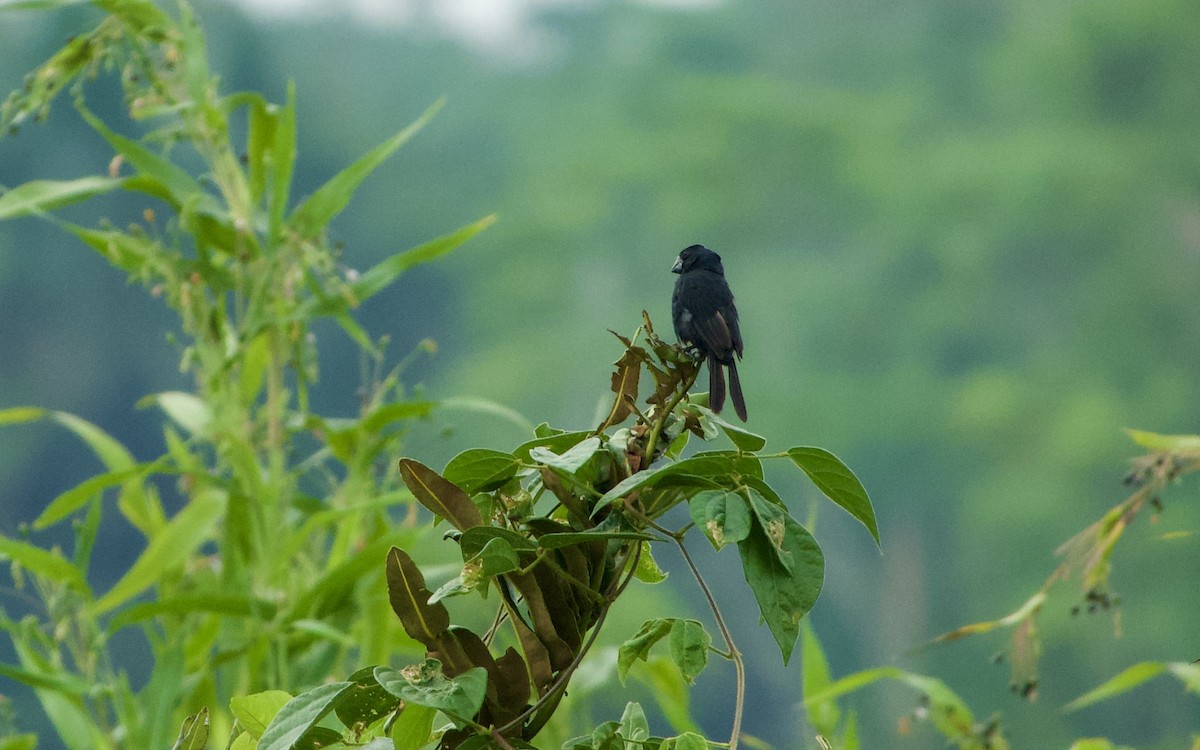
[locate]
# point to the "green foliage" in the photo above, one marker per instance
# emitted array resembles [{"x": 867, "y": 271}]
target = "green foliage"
[
  {"x": 253, "y": 583},
  {"x": 558, "y": 528}
]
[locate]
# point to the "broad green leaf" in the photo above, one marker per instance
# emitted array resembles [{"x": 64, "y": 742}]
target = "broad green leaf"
[
  {"x": 444, "y": 498},
  {"x": 481, "y": 470},
  {"x": 366, "y": 703},
  {"x": 772, "y": 518},
  {"x": 42, "y": 196},
  {"x": 784, "y": 596},
  {"x": 690, "y": 644},
  {"x": 568, "y": 538},
  {"x": 1165, "y": 443},
  {"x": 411, "y": 730},
  {"x": 717, "y": 466},
  {"x": 299, "y": 715},
  {"x": 1128, "y": 679},
  {"x": 838, "y": 483},
  {"x": 167, "y": 550},
  {"x": 311, "y": 216},
  {"x": 426, "y": 685},
  {"x": 722, "y": 515},
  {"x": 473, "y": 540},
  {"x": 572, "y": 461},
  {"x": 687, "y": 741},
  {"x": 498, "y": 557},
  {"x": 44, "y": 563},
  {"x": 254, "y": 712},
  {"x": 635, "y": 729}
]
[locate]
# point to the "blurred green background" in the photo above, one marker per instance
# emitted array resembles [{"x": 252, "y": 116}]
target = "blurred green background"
[{"x": 964, "y": 238}]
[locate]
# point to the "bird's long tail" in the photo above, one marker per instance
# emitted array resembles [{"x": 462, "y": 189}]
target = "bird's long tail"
[
  {"x": 716, "y": 385},
  {"x": 735, "y": 391}
]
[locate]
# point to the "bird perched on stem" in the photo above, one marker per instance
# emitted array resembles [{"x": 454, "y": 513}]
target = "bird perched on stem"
[{"x": 704, "y": 316}]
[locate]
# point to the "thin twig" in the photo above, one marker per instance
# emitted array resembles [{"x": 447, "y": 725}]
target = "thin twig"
[{"x": 734, "y": 655}]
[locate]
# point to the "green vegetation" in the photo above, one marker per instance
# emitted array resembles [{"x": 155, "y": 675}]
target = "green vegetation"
[{"x": 962, "y": 237}]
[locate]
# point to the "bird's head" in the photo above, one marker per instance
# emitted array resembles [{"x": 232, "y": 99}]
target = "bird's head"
[{"x": 698, "y": 257}]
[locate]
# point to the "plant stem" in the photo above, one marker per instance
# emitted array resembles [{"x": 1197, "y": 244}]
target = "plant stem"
[{"x": 735, "y": 656}]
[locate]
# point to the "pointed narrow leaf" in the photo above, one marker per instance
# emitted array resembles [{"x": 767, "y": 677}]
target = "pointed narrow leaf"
[
  {"x": 638, "y": 647},
  {"x": 283, "y": 159},
  {"x": 21, "y": 414},
  {"x": 1128, "y": 679},
  {"x": 1165, "y": 443},
  {"x": 378, "y": 277},
  {"x": 444, "y": 498},
  {"x": 167, "y": 550},
  {"x": 311, "y": 216},
  {"x": 301, "y": 714},
  {"x": 42, "y": 562},
  {"x": 41, "y": 196},
  {"x": 825, "y": 715},
  {"x": 178, "y": 182},
  {"x": 409, "y": 598},
  {"x": 838, "y": 483}
]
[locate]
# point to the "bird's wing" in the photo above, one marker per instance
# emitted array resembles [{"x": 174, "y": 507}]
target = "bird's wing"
[{"x": 714, "y": 333}]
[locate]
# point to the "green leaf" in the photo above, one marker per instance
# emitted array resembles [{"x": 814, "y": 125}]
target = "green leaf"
[
  {"x": 784, "y": 596},
  {"x": 558, "y": 442},
  {"x": 75, "y": 498},
  {"x": 380, "y": 276},
  {"x": 473, "y": 540},
  {"x": 311, "y": 216},
  {"x": 1165, "y": 443},
  {"x": 409, "y": 597},
  {"x": 690, "y": 644},
  {"x": 186, "y": 409},
  {"x": 254, "y": 712},
  {"x": 481, "y": 470},
  {"x": 823, "y": 715},
  {"x": 396, "y": 412},
  {"x": 112, "y": 453},
  {"x": 1123, "y": 682},
  {"x": 647, "y": 570},
  {"x": 21, "y": 414},
  {"x": 687, "y": 741},
  {"x": 572, "y": 461},
  {"x": 301, "y": 714},
  {"x": 426, "y": 685},
  {"x": 717, "y": 466},
  {"x": 283, "y": 159},
  {"x": 838, "y": 483},
  {"x": 41, "y": 196},
  {"x": 444, "y": 498},
  {"x": 568, "y": 538},
  {"x": 638, "y": 647},
  {"x": 635, "y": 728},
  {"x": 44, "y": 563},
  {"x": 411, "y": 730},
  {"x": 167, "y": 550},
  {"x": 722, "y": 515},
  {"x": 181, "y": 188},
  {"x": 739, "y": 436}
]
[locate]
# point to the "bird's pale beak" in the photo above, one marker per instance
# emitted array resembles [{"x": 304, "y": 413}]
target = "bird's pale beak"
[{"x": 678, "y": 267}]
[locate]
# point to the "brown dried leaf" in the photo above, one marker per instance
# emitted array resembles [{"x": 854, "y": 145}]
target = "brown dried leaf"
[{"x": 440, "y": 495}]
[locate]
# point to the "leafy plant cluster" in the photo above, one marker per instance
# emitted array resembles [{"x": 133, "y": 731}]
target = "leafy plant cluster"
[
  {"x": 268, "y": 575},
  {"x": 556, "y": 529}
]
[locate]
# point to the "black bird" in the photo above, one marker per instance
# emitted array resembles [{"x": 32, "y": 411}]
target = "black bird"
[{"x": 704, "y": 316}]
